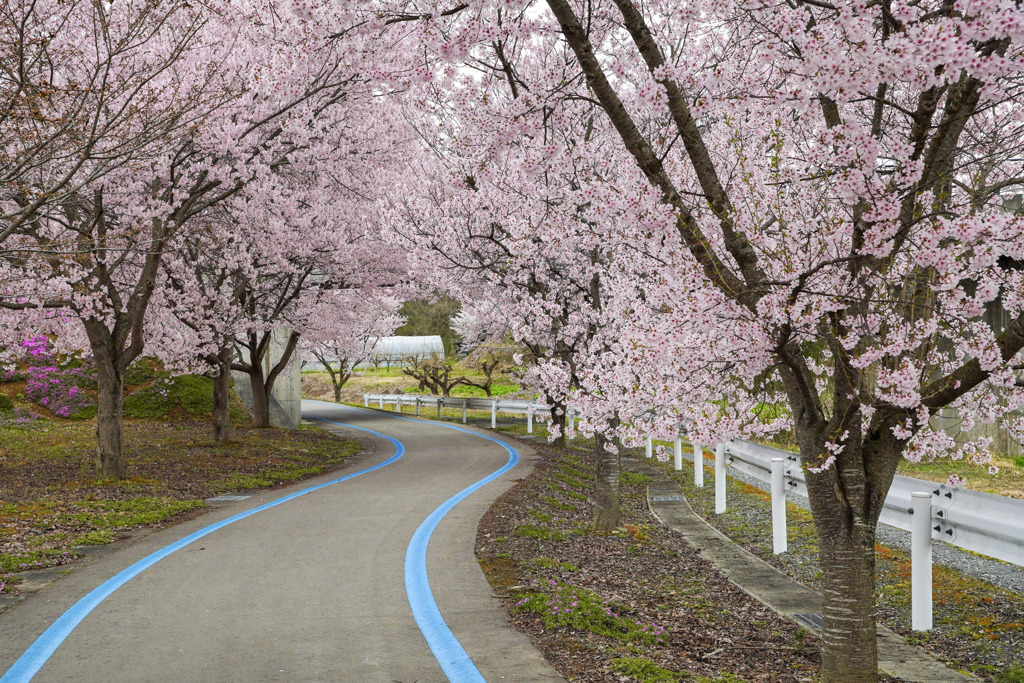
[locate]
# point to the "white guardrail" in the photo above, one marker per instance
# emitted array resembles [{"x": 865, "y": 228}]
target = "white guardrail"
[
  {"x": 492, "y": 405},
  {"x": 984, "y": 523},
  {"x": 980, "y": 522}
]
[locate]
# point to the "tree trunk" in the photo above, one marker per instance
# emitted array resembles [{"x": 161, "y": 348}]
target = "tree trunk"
[
  {"x": 849, "y": 652},
  {"x": 558, "y": 420},
  {"x": 846, "y": 500},
  {"x": 110, "y": 460},
  {"x": 606, "y": 488},
  {"x": 337, "y": 393},
  {"x": 221, "y": 397},
  {"x": 260, "y": 400}
]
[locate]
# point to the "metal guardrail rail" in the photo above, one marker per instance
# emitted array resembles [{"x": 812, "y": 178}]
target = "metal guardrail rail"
[
  {"x": 469, "y": 403},
  {"x": 980, "y": 522}
]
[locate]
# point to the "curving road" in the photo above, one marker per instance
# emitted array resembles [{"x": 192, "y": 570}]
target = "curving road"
[{"x": 309, "y": 583}]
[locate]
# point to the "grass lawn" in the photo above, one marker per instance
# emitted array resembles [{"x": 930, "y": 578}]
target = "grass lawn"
[
  {"x": 51, "y": 503},
  {"x": 383, "y": 380},
  {"x": 1009, "y": 481}
]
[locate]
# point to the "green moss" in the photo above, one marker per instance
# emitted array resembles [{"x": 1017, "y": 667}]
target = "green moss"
[
  {"x": 541, "y": 517},
  {"x": 6, "y": 404},
  {"x": 537, "y": 531},
  {"x": 148, "y": 404},
  {"x": 144, "y": 371},
  {"x": 633, "y": 479},
  {"x": 576, "y": 495},
  {"x": 32, "y": 559},
  {"x": 193, "y": 393},
  {"x": 573, "y": 471},
  {"x": 238, "y": 482},
  {"x": 548, "y": 563},
  {"x": 95, "y": 538},
  {"x": 1013, "y": 674},
  {"x": 555, "y": 503},
  {"x": 571, "y": 482},
  {"x": 332, "y": 452},
  {"x": 643, "y": 670},
  {"x": 573, "y": 461},
  {"x": 86, "y": 413},
  {"x": 583, "y": 610},
  {"x": 108, "y": 514}
]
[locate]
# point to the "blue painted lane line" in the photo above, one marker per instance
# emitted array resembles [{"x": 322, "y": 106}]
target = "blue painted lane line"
[
  {"x": 46, "y": 644},
  {"x": 454, "y": 660}
]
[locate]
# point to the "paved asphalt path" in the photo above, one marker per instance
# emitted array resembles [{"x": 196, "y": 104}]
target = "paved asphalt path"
[{"x": 313, "y": 589}]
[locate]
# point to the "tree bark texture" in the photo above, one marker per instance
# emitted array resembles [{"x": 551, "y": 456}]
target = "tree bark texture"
[
  {"x": 260, "y": 398},
  {"x": 606, "y": 488},
  {"x": 110, "y": 365},
  {"x": 221, "y": 397},
  {"x": 846, "y": 500},
  {"x": 847, "y": 561},
  {"x": 558, "y": 420},
  {"x": 110, "y": 459}
]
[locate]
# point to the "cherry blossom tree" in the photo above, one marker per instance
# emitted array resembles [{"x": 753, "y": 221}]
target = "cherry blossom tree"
[
  {"x": 348, "y": 341},
  {"x": 87, "y": 88},
  {"x": 812, "y": 186},
  {"x": 297, "y": 259},
  {"x": 279, "y": 88},
  {"x": 495, "y": 227}
]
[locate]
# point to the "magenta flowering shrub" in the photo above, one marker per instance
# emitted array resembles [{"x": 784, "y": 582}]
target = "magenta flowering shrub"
[
  {"x": 10, "y": 375},
  {"x": 51, "y": 386},
  {"x": 18, "y": 416},
  {"x": 37, "y": 347},
  {"x": 47, "y": 386}
]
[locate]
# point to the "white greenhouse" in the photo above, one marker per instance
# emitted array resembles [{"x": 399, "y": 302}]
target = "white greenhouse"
[{"x": 396, "y": 350}]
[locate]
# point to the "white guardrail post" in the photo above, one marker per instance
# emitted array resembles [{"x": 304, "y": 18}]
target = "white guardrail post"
[
  {"x": 494, "y": 414},
  {"x": 417, "y": 406},
  {"x": 677, "y": 451},
  {"x": 921, "y": 561},
  {"x": 698, "y": 465},
  {"x": 719, "y": 478},
  {"x": 972, "y": 520},
  {"x": 980, "y": 522},
  {"x": 779, "y": 539}
]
